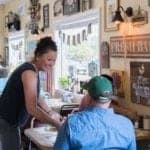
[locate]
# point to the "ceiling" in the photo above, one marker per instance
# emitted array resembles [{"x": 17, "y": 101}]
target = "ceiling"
[{"x": 4, "y": 1}]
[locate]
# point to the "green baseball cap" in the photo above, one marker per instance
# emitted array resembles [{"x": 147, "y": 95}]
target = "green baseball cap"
[{"x": 100, "y": 88}]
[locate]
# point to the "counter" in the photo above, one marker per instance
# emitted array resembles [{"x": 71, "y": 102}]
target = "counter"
[{"x": 42, "y": 137}]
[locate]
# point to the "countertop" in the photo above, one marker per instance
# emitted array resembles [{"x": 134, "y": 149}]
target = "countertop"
[{"x": 43, "y": 137}]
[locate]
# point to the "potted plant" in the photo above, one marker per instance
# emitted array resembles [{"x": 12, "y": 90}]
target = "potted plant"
[{"x": 64, "y": 82}]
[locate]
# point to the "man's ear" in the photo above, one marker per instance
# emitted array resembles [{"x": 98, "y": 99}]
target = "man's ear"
[{"x": 90, "y": 99}]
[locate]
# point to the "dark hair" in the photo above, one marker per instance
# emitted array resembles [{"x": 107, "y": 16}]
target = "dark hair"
[{"x": 44, "y": 45}]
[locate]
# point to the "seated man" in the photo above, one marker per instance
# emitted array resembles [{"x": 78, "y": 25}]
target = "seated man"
[
  {"x": 131, "y": 114},
  {"x": 96, "y": 127}
]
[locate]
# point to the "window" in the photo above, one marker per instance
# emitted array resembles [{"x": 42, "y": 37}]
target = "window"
[{"x": 78, "y": 52}]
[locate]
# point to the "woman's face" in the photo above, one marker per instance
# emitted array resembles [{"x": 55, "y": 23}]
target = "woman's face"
[{"x": 46, "y": 61}]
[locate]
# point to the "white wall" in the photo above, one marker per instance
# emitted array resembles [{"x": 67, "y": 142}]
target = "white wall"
[{"x": 115, "y": 63}]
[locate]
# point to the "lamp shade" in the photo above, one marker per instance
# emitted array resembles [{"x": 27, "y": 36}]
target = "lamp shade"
[{"x": 117, "y": 18}]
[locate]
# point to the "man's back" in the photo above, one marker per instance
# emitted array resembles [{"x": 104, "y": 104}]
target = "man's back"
[{"x": 96, "y": 128}]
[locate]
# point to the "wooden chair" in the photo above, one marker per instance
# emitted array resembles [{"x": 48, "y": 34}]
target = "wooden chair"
[{"x": 68, "y": 109}]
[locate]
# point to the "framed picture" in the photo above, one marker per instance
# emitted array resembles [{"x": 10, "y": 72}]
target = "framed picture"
[
  {"x": 136, "y": 46},
  {"x": 118, "y": 82},
  {"x": 6, "y": 21},
  {"x": 148, "y": 2},
  {"x": 6, "y": 55},
  {"x": 71, "y": 7},
  {"x": 58, "y": 8},
  {"x": 31, "y": 45},
  {"x": 16, "y": 44},
  {"x": 85, "y": 5},
  {"x": 46, "y": 16},
  {"x": 21, "y": 9},
  {"x": 104, "y": 54},
  {"x": 110, "y": 6},
  {"x": 140, "y": 82}
]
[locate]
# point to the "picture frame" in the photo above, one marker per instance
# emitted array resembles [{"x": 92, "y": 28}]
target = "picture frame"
[
  {"x": 140, "y": 82},
  {"x": 21, "y": 9},
  {"x": 134, "y": 46},
  {"x": 71, "y": 7},
  {"x": 148, "y": 2},
  {"x": 85, "y": 5},
  {"x": 118, "y": 82},
  {"x": 110, "y": 6},
  {"x": 58, "y": 8},
  {"x": 31, "y": 45},
  {"x": 104, "y": 54},
  {"x": 6, "y": 55},
  {"x": 16, "y": 44},
  {"x": 46, "y": 16}
]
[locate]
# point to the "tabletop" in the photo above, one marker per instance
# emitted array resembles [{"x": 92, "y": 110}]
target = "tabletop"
[{"x": 43, "y": 137}]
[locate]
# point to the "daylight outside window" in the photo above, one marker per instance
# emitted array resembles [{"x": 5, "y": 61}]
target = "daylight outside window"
[{"x": 78, "y": 56}]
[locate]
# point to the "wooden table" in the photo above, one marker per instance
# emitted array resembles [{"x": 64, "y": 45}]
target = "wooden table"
[{"x": 44, "y": 137}]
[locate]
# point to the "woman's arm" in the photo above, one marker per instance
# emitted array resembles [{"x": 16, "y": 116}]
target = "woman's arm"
[
  {"x": 29, "y": 79},
  {"x": 52, "y": 113}
]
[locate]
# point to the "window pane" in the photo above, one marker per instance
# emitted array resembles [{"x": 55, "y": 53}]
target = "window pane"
[{"x": 78, "y": 56}]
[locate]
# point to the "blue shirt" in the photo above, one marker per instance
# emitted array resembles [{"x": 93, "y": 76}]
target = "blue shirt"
[{"x": 95, "y": 128}]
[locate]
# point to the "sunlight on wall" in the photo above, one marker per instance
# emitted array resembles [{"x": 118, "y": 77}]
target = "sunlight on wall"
[{"x": 127, "y": 28}]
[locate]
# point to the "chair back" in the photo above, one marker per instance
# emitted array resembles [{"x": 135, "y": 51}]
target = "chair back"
[{"x": 68, "y": 109}]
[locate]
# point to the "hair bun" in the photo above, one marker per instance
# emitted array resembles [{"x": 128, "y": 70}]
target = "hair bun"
[
  {"x": 49, "y": 37},
  {"x": 45, "y": 44}
]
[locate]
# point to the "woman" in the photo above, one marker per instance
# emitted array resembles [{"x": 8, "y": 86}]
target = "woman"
[{"x": 20, "y": 97}]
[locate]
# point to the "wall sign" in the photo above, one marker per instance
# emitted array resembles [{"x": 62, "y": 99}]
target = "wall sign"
[
  {"x": 16, "y": 42},
  {"x": 104, "y": 52},
  {"x": 130, "y": 46},
  {"x": 58, "y": 9},
  {"x": 71, "y": 7},
  {"x": 110, "y": 6},
  {"x": 46, "y": 16},
  {"x": 140, "y": 82},
  {"x": 85, "y": 5},
  {"x": 118, "y": 82}
]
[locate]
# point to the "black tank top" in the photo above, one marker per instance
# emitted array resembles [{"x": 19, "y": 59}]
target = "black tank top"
[{"x": 12, "y": 100}]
